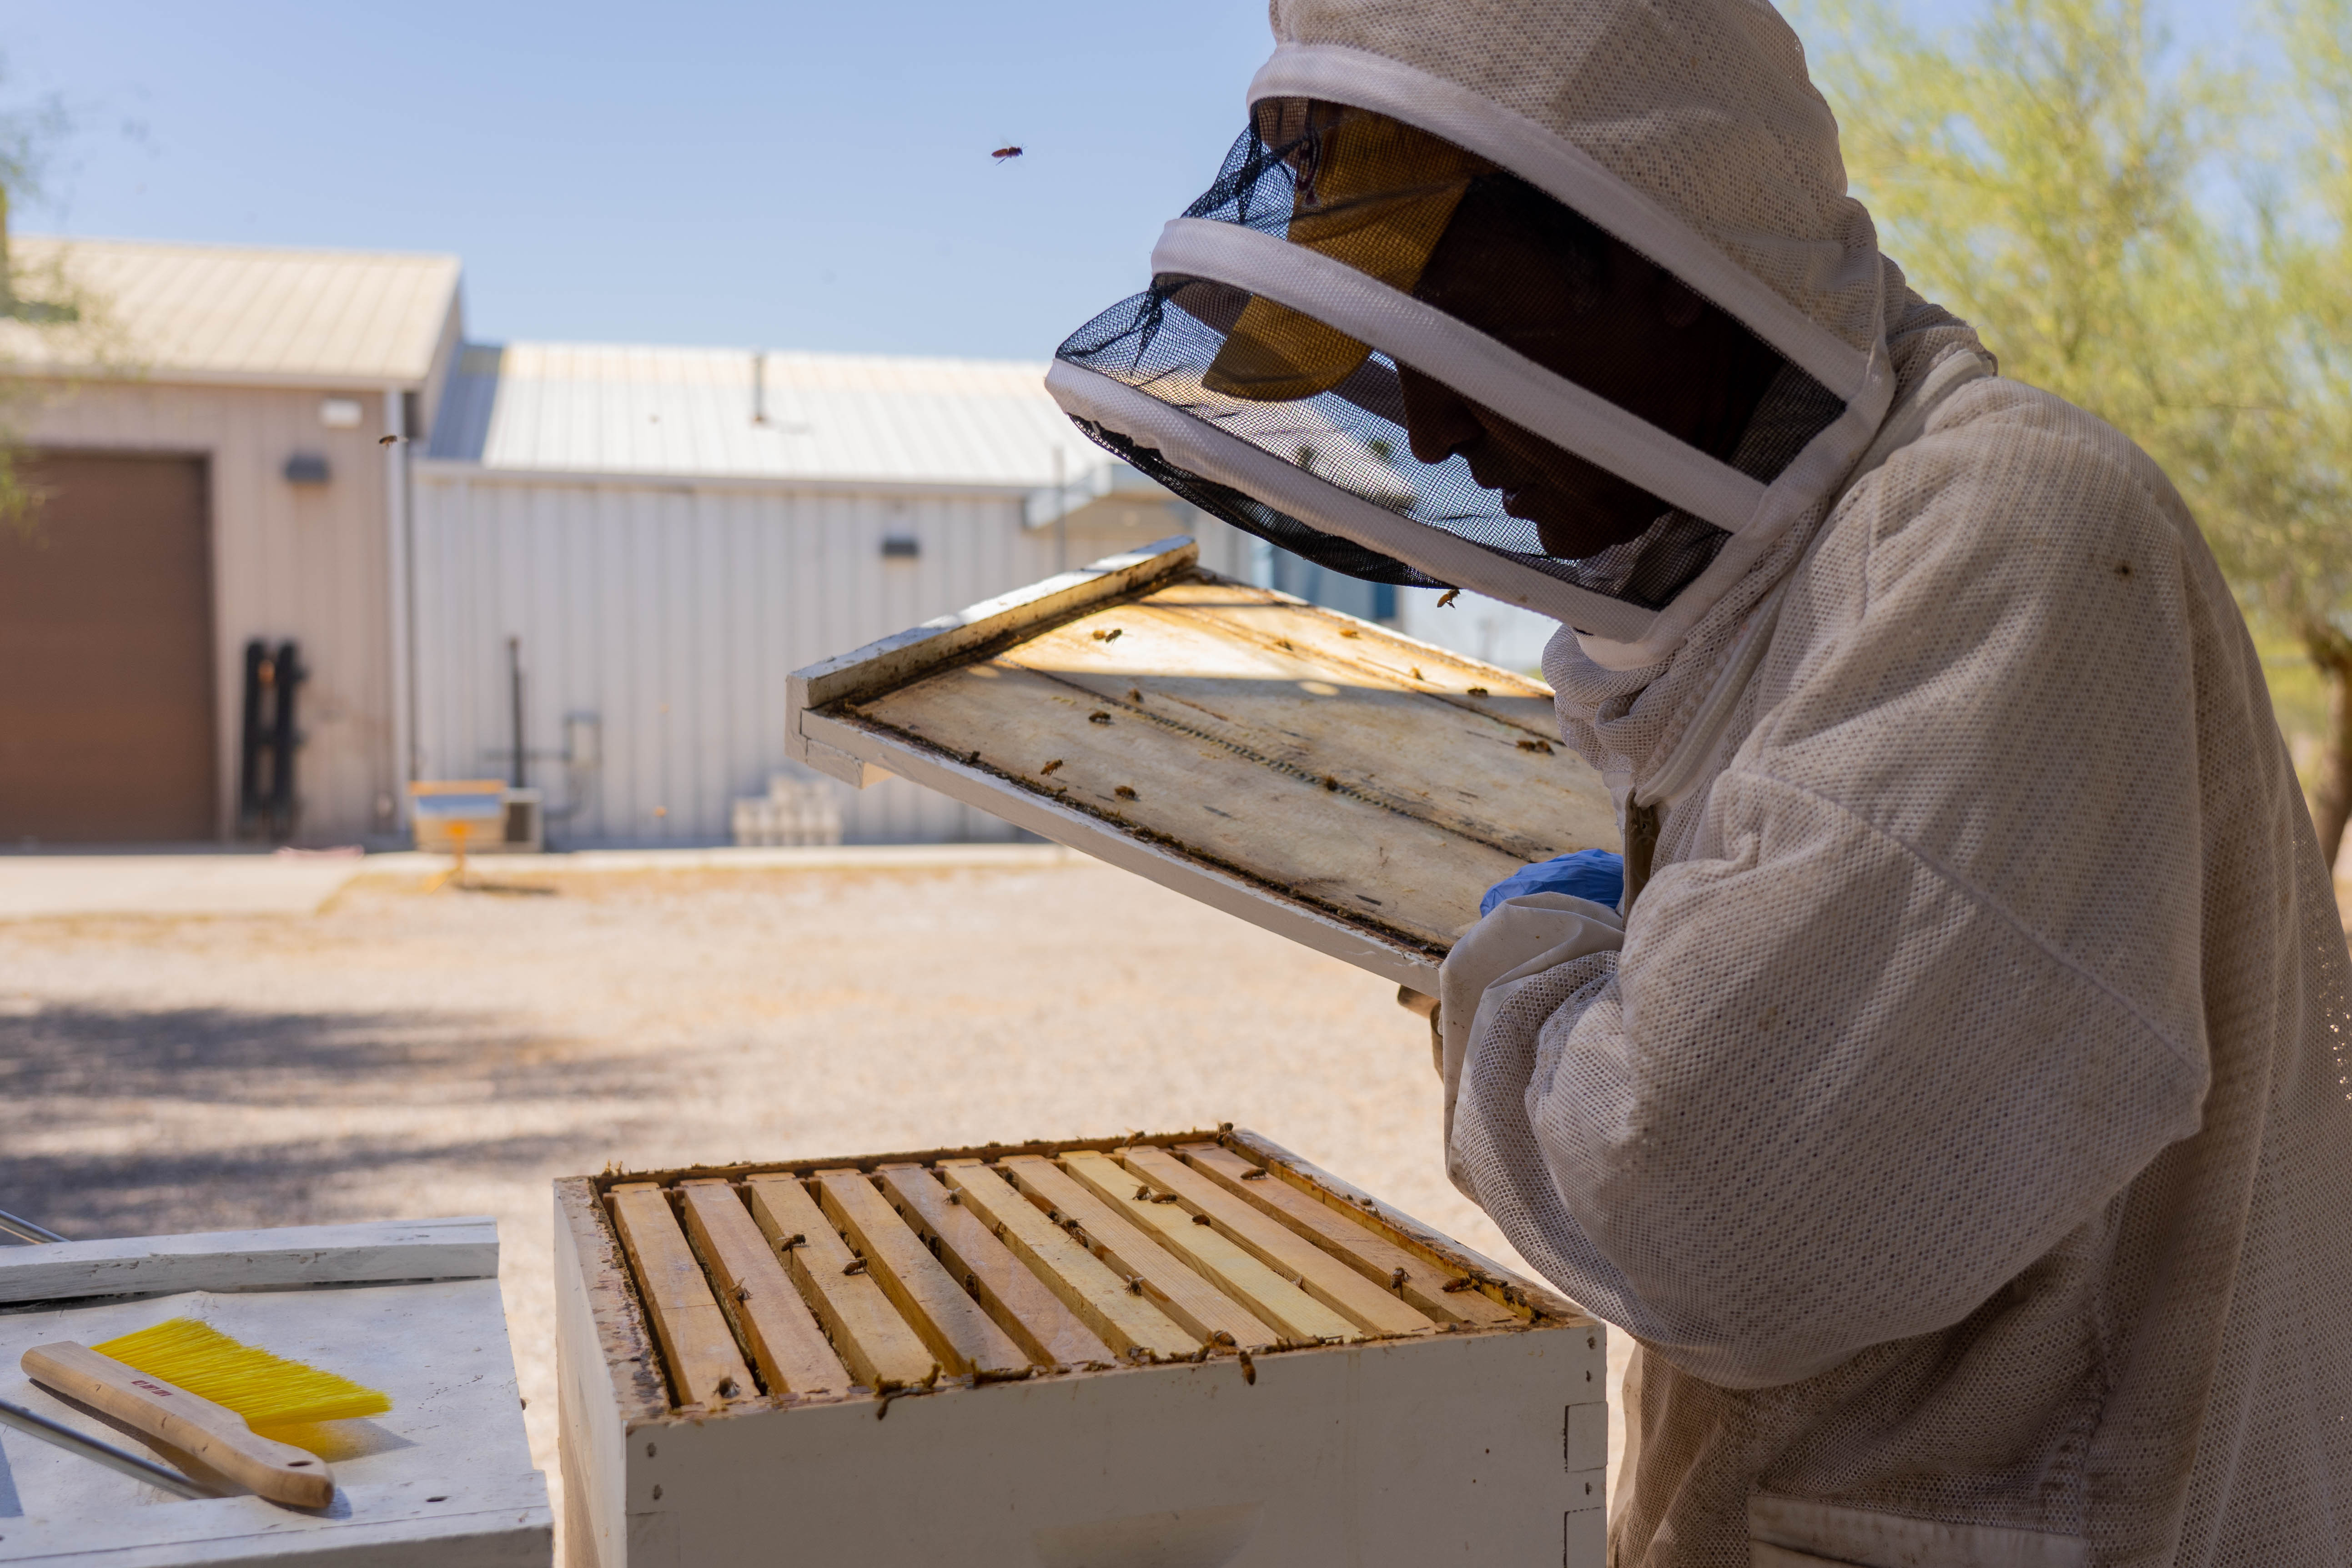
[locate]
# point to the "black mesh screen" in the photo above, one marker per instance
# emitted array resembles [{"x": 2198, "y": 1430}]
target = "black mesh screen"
[{"x": 1354, "y": 437}]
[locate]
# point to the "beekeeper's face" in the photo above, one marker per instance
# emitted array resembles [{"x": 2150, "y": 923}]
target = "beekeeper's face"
[{"x": 1581, "y": 303}]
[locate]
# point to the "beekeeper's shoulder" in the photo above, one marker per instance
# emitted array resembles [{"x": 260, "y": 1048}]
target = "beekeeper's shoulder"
[{"x": 2006, "y": 475}]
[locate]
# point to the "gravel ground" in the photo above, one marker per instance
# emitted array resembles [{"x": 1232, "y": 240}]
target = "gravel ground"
[{"x": 400, "y": 1055}]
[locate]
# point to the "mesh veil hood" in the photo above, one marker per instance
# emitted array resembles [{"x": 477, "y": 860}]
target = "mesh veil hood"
[
  {"x": 1701, "y": 109},
  {"x": 1684, "y": 129}
]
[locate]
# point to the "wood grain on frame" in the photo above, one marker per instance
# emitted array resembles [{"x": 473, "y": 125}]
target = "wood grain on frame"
[
  {"x": 705, "y": 1367},
  {"x": 1173, "y": 1285},
  {"x": 958, "y": 1331},
  {"x": 1126, "y": 1319},
  {"x": 1020, "y": 1302},
  {"x": 865, "y": 1328},
  {"x": 1273, "y": 1298},
  {"x": 1375, "y": 1308},
  {"x": 755, "y": 1292}
]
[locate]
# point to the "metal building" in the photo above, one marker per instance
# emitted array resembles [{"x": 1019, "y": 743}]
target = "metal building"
[
  {"x": 621, "y": 553},
  {"x": 209, "y": 452}
]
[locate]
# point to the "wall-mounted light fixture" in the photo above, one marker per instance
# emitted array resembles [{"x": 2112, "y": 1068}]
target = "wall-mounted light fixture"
[
  {"x": 900, "y": 547},
  {"x": 306, "y": 468}
]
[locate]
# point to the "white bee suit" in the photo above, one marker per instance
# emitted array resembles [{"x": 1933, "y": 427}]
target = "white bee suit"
[{"x": 1962, "y": 1125}]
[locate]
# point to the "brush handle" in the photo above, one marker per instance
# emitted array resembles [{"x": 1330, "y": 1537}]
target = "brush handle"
[{"x": 212, "y": 1433}]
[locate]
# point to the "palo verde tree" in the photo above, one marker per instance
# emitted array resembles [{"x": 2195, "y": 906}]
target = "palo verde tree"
[
  {"x": 47, "y": 321},
  {"x": 2041, "y": 173}
]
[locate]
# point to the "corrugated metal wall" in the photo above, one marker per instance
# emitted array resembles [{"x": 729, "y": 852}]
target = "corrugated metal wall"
[
  {"x": 302, "y": 562},
  {"x": 672, "y": 613}
]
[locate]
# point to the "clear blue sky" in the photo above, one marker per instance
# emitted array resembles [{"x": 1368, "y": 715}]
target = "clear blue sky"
[{"x": 793, "y": 175}]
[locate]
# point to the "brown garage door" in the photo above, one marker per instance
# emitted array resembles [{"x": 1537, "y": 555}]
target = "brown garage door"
[{"x": 106, "y": 657}]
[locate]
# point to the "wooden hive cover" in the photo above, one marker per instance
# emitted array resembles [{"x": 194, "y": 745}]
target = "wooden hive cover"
[
  {"x": 766, "y": 1286},
  {"x": 1322, "y": 776}
]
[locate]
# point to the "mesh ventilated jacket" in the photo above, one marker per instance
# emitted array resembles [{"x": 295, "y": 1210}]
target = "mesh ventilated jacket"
[{"x": 1963, "y": 1125}]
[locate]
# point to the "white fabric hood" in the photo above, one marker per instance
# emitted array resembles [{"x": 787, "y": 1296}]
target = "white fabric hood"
[{"x": 1687, "y": 130}]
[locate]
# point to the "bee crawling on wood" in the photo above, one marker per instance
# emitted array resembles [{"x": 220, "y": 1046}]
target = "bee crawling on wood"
[
  {"x": 1448, "y": 596},
  {"x": 1201, "y": 1219},
  {"x": 742, "y": 1292},
  {"x": 1125, "y": 792},
  {"x": 1135, "y": 1284},
  {"x": 1257, "y": 1176},
  {"x": 1477, "y": 691},
  {"x": 1223, "y": 1337},
  {"x": 795, "y": 1239},
  {"x": 1049, "y": 767},
  {"x": 1141, "y": 1193},
  {"x": 1542, "y": 746},
  {"x": 1249, "y": 1368},
  {"x": 1350, "y": 632},
  {"x": 1397, "y": 1279},
  {"x": 1163, "y": 1197},
  {"x": 854, "y": 1266},
  {"x": 1097, "y": 717},
  {"x": 1135, "y": 694},
  {"x": 1456, "y": 1286},
  {"x": 727, "y": 1388},
  {"x": 1330, "y": 783},
  {"x": 954, "y": 1196},
  {"x": 1110, "y": 635}
]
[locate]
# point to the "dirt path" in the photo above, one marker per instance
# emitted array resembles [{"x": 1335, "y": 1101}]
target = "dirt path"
[{"x": 405, "y": 1056}]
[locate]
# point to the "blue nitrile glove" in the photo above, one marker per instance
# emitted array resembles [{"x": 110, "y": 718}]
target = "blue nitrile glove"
[{"x": 1595, "y": 875}]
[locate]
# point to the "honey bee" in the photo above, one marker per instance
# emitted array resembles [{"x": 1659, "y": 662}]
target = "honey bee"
[
  {"x": 1124, "y": 793},
  {"x": 1477, "y": 691},
  {"x": 1542, "y": 746},
  {"x": 854, "y": 1266},
  {"x": 1397, "y": 1279},
  {"x": 1456, "y": 1286},
  {"x": 1110, "y": 635},
  {"x": 1049, "y": 767},
  {"x": 1005, "y": 153},
  {"x": 1330, "y": 783},
  {"x": 1350, "y": 632},
  {"x": 1448, "y": 596},
  {"x": 1255, "y": 1176},
  {"x": 1134, "y": 694},
  {"x": 387, "y": 440},
  {"x": 1097, "y": 717},
  {"x": 1198, "y": 1218}
]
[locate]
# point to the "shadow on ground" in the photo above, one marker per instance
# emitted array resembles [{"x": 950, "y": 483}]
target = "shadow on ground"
[{"x": 192, "y": 1119}]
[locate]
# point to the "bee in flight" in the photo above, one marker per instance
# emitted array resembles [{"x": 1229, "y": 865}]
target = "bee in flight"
[{"x": 1006, "y": 152}]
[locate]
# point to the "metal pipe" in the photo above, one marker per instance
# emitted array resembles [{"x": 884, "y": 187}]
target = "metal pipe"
[
  {"x": 25, "y": 1229},
  {"x": 514, "y": 691},
  {"x": 34, "y": 1424}
]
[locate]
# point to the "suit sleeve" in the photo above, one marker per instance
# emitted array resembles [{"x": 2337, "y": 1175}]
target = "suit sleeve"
[{"x": 1926, "y": 996}]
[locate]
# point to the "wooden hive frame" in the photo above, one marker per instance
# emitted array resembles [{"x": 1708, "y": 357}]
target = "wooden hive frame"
[
  {"x": 743, "y": 1313},
  {"x": 1325, "y": 777}
]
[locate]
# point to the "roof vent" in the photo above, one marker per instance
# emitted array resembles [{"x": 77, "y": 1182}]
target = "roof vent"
[
  {"x": 900, "y": 547},
  {"x": 306, "y": 468}
]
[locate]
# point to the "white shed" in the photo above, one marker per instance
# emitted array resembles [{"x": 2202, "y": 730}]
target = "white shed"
[
  {"x": 215, "y": 478},
  {"x": 652, "y": 539}
]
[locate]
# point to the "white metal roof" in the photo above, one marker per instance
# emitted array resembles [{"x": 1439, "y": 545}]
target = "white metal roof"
[
  {"x": 590, "y": 409},
  {"x": 224, "y": 313}
]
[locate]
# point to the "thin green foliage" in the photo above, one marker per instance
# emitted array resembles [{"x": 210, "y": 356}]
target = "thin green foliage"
[{"x": 2160, "y": 240}]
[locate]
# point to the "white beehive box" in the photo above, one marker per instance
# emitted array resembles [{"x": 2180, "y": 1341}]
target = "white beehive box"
[
  {"x": 443, "y": 1478},
  {"x": 1173, "y": 1351}
]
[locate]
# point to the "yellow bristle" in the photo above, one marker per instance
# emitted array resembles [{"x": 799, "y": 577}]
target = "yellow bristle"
[{"x": 266, "y": 1390}]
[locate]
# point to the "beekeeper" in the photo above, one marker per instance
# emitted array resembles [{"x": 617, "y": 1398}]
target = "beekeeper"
[{"x": 1957, "y": 1115}]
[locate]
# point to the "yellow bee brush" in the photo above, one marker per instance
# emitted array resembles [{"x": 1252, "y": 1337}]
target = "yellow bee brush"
[{"x": 196, "y": 1388}]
